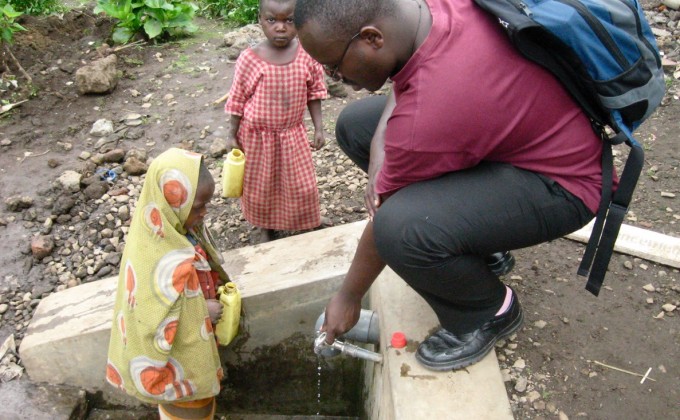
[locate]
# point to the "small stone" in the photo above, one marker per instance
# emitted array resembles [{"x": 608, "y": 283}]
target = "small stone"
[
  {"x": 519, "y": 364},
  {"x": 649, "y": 287},
  {"x": 521, "y": 384},
  {"x": 627, "y": 264},
  {"x": 102, "y": 128},
  {"x": 650, "y": 300},
  {"x": 533, "y": 396},
  {"x": 42, "y": 246},
  {"x": 562, "y": 416},
  {"x": 3, "y": 308},
  {"x": 668, "y": 307},
  {"x": 667, "y": 194},
  {"x": 540, "y": 324},
  {"x": 84, "y": 155},
  {"x": 539, "y": 405}
]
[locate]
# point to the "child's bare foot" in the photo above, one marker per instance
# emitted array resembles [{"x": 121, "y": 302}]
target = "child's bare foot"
[{"x": 261, "y": 235}]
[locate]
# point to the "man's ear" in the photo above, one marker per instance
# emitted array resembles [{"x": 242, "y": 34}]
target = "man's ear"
[{"x": 373, "y": 35}]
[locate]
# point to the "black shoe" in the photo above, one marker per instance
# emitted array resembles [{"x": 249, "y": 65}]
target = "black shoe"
[
  {"x": 446, "y": 351},
  {"x": 501, "y": 263}
]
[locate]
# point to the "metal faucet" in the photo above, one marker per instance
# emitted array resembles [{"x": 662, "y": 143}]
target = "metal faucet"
[{"x": 321, "y": 348}]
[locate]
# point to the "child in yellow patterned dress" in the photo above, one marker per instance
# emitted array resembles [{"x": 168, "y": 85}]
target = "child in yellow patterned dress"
[{"x": 162, "y": 348}]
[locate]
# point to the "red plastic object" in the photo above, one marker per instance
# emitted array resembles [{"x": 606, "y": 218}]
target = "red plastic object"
[{"x": 398, "y": 340}]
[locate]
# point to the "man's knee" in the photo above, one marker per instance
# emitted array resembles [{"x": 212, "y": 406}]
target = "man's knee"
[{"x": 407, "y": 237}]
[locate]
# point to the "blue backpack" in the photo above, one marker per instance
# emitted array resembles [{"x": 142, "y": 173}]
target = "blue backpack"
[{"x": 604, "y": 53}]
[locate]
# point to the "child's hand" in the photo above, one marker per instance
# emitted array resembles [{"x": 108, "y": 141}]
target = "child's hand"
[
  {"x": 214, "y": 310},
  {"x": 319, "y": 139}
]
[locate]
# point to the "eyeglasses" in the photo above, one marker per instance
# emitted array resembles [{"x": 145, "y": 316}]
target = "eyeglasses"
[{"x": 332, "y": 72}]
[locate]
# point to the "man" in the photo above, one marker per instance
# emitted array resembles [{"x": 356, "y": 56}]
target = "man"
[{"x": 476, "y": 150}]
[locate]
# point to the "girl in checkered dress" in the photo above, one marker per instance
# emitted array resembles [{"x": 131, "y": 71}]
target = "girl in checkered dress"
[{"x": 274, "y": 82}]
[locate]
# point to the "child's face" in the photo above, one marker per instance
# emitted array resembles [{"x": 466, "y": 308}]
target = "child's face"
[
  {"x": 198, "y": 211},
  {"x": 276, "y": 19}
]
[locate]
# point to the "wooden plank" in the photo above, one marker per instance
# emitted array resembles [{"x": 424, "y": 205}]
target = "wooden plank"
[{"x": 643, "y": 243}]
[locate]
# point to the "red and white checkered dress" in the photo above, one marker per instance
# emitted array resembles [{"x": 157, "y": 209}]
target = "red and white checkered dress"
[{"x": 279, "y": 187}]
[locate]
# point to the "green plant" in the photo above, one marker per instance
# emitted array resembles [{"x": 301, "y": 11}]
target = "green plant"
[
  {"x": 156, "y": 18},
  {"x": 8, "y": 26},
  {"x": 37, "y": 7},
  {"x": 240, "y": 12}
]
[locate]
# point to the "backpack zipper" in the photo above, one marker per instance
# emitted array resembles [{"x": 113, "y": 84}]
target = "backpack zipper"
[
  {"x": 644, "y": 39},
  {"x": 600, "y": 32}
]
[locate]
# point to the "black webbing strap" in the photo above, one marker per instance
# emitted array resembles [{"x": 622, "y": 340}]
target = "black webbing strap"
[
  {"x": 605, "y": 200},
  {"x": 610, "y": 216}
]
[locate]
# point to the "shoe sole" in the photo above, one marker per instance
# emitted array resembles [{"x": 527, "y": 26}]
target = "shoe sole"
[{"x": 474, "y": 358}]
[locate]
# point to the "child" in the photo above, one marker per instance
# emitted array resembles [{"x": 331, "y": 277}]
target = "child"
[
  {"x": 162, "y": 347},
  {"x": 273, "y": 82}
]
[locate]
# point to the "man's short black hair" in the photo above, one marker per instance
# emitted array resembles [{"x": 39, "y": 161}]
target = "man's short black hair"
[{"x": 340, "y": 18}]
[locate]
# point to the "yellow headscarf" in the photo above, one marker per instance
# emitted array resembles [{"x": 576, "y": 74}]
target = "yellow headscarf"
[{"x": 162, "y": 347}]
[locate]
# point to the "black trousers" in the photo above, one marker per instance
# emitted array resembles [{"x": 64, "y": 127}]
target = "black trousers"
[{"x": 434, "y": 234}]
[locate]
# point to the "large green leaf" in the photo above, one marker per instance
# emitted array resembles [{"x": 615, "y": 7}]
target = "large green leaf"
[
  {"x": 153, "y": 28},
  {"x": 122, "y": 35},
  {"x": 9, "y": 11}
]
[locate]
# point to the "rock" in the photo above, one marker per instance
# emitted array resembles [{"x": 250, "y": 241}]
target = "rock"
[
  {"x": 521, "y": 384},
  {"x": 628, "y": 264},
  {"x": 218, "y": 148},
  {"x": 668, "y": 307},
  {"x": 101, "y": 128},
  {"x": 99, "y": 77},
  {"x": 17, "y": 203},
  {"x": 533, "y": 396},
  {"x": 63, "y": 204},
  {"x": 540, "y": 324},
  {"x": 53, "y": 163},
  {"x": 137, "y": 153},
  {"x": 114, "y": 156},
  {"x": 96, "y": 190},
  {"x": 123, "y": 213},
  {"x": 70, "y": 181},
  {"x": 336, "y": 89},
  {"x": 3, "y": 308},
  {"x": 42, "y": 246},
  {"x": 134, "y": 166},
  {"x": 519, "y": 364},
  {"x": 649, "y": 287}
]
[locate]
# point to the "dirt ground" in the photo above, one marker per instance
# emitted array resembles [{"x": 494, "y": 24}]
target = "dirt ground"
[{"x": 552, "y": 365}]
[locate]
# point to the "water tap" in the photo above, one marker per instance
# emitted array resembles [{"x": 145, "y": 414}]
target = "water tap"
[{"x": 321, "y": 347}]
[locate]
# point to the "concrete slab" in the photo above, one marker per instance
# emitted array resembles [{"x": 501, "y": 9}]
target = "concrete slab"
[
  {"x": 22, "y": 399},
  {"x": 284, "y": 285},
  {"x": 403, "y": 389}
]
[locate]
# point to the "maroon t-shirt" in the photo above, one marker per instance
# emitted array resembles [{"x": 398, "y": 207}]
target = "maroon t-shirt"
[{"x": 467, "y": 96}]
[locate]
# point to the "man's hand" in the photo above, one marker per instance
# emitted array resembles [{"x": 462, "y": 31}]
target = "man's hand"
[
  {"x": 342, "y": 313},
  {"x": 214, "y": 310}
]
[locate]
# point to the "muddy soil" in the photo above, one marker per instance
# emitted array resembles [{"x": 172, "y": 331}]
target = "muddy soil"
[{"x": 552, "y": 366}]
